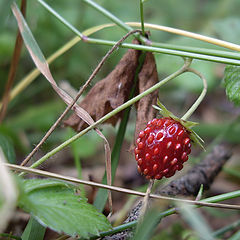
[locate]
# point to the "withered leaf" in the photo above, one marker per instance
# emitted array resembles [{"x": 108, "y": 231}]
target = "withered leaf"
[
  {"x": 110, "y": 92},
  {"x": 148, "y": 77}
]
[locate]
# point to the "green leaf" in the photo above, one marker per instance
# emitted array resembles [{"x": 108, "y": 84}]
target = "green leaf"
[
  {"x": 57, "y": 205},
  {"x": 232, "y": 83},
  {"x": 7, "y": 147},
  {"x": 33, "y": 230}
]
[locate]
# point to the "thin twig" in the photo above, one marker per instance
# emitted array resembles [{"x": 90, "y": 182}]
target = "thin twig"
[
  {"x": 77, "y": 97},
  {"x": 13, "y": 67},
  {"x": 203, "y": 202}
]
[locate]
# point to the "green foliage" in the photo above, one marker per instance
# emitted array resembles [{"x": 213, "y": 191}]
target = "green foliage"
[
  {"x": 7, "y": 147},
  {"x": 86, "y": 146},
  {"x": 232, "y": 83},
  {"x": 55, "y": 203},
  {"x": 36, "y": 116},
  {"x": 58, "y": 206},
  {"x": 228, "y": 29},
  {"x": 5, "y": 11}
]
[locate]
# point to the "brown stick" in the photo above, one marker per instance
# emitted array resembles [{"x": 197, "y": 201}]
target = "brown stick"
[
  {"x": 189, "y": 184},
  {"x": 77, "y": 97},
  {"x": 13, "y": 67}
]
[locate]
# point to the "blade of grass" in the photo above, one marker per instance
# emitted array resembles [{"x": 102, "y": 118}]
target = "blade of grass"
[
  {"x": 33, "y": 231},
  {"x": 236, "y": 236},
  {"x": 231, "y": 171},
  {"x": 142, "y": 17},
  {"x": 146, "y": 227},
  {"x": 77, "y": 161},
  {"x": 115, "y": 20},
  {"x": 101, "y": 196},
  {"x": 227, "y": 228},
  {"x": 196, "y": 221}
]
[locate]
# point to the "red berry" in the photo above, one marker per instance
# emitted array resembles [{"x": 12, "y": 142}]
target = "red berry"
[{"x": 162, "y": 148}]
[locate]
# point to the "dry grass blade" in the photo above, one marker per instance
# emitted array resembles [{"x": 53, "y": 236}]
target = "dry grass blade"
[{"x": 117, "y": 189}]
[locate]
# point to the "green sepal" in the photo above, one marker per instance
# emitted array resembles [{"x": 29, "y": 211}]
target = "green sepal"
[{"x": 187, "y": 124}]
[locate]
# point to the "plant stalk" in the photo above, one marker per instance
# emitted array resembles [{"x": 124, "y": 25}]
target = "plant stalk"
[
  {"x": 200, "y": 98},
  {"x": 142, "y": 17}
]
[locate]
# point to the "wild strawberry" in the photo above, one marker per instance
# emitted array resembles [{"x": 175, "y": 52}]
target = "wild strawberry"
[{"x": 162, "y": 148}]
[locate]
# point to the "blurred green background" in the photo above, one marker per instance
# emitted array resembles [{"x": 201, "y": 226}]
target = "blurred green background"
[{"x": 35, "y": 109}]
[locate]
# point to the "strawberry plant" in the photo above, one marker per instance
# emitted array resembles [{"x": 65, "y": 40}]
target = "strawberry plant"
[{"x": 141, "y": 68}]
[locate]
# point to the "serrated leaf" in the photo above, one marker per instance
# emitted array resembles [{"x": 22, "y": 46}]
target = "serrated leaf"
[
  {"x": 232, "y": 83},
  {"x": 56, "y": 205}
]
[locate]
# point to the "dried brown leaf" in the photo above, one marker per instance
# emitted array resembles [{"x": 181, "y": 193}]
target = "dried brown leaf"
[
  {"x": 147, "y": 78},
  {"x": 109, "y": 93}
]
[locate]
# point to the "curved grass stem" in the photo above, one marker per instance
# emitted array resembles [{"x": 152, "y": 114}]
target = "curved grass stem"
[{"x": 200, "y": 98}]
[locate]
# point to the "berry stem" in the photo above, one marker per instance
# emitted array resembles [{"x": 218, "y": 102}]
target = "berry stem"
[
  {"x": 192, "y": 109},
  {"x": 146, "y": 198}
]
